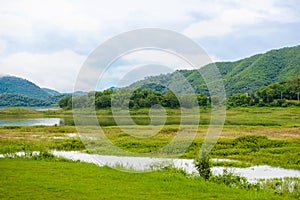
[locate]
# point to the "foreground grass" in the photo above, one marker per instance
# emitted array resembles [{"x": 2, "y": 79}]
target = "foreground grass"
[{"x": 46, "y": 179}]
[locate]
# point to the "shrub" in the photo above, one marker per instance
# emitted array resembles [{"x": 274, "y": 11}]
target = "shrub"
[{"x": 203, "y": 165}]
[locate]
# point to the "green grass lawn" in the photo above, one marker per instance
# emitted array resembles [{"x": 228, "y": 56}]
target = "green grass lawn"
[{"x": 41, "y": 179}]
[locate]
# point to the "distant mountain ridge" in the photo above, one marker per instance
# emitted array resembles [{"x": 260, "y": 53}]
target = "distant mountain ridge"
[
  {"x": 15, "y": 91},
  {"x": 245, "y": 75},
  {"x": 16, "y": 85},
  {"x": 50, "y": 91}
]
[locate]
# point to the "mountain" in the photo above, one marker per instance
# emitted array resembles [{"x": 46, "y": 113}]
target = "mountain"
[
  {"x": 19, "y": 86},
  {"x": 78, "y": 93},
  {"x": 50, "y": 91},
  {"x": 245, "y": 75},
  {"x": 15, "y": 91}
]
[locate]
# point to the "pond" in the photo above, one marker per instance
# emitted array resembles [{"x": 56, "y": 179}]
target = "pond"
[
  {"x": 31, "y": 121},
  {"x": 252, "y": 173}
]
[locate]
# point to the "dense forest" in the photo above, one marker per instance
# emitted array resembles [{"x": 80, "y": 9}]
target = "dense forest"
[
  {"x": 138, "y": 99},
  {"x": 283, "y": 94},
  {"x": 16, "y": 100}
]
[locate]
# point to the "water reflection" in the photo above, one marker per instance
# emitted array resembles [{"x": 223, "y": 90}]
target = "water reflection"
[{"x": 32, "y": 122}]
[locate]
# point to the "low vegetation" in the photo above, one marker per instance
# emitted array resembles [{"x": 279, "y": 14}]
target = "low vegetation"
[
  {"x": 288, "y": 187},
  {"x": 252, "y": 135},
  {"x": 250, "y": 144}
]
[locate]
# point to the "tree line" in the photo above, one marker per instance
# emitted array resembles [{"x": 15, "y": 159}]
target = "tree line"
[
  {"x": 138, "y": 98},
  {"x": 277, "y": 94}
]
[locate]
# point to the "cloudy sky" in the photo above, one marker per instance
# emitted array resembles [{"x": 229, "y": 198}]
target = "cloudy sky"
[{"x": 48, "y": 41}]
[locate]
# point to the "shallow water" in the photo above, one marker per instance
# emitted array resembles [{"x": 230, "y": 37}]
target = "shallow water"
[
  {"x": 145, "y": 163},
  {"x": 31, "y": 122}
]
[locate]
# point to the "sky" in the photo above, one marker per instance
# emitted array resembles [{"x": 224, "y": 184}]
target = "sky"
[{"x": 48, "y": 41}]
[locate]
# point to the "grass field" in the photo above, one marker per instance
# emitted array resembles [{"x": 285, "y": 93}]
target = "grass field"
[
  {"x": 32, "y": 179},
  {"x": 252, "y": 135}
]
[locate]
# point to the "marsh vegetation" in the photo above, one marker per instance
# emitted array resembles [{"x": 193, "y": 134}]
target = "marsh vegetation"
[{"x": 255, "y": 135}]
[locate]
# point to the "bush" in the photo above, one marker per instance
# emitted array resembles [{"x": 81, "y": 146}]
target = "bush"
[
  {"x": 242, "y": 100},
  {"x": 203, "y": 165},
  {"x": 43, "y": 155}
]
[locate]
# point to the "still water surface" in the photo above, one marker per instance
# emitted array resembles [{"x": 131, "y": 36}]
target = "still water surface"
[{"x": 31, "y": 121}]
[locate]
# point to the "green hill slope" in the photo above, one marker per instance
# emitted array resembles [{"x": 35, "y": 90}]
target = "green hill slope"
[
  {"x": 50, "y": 91},
  {"x": 19, "y": 86},
  {"x": 7, "y": 99},
  {"x": 245, "y": 75},
  {"x": 16, "y": 91}
]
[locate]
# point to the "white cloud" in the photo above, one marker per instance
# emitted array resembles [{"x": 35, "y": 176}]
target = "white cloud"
[
  {"x": 224, "y": 24},
  {"x": 84, "y": 20},
  {"x": 166, "y": 58},
  {"x": 157, "y": 57},
  {"x": 2, "y": 45},
  {"x": 243, "y": 13},
  {"x": 38, "y": 38},
  {"x": 274, "y": 10},
  {"x": 58, "y": 70},
  {"x": 98, "y": 20},
  {"x": 14, "y": 26}
]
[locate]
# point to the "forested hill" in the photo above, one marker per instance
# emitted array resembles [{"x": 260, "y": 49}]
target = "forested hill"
[
  {"x": 19, "y": 86},
  {"x": 15, "y": 91},
  {"x": 50, "y": 91},
  {"x": 245, "y": 75}
]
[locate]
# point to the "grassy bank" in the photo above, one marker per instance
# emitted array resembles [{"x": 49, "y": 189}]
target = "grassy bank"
[{"x": 31, "y": 179}]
